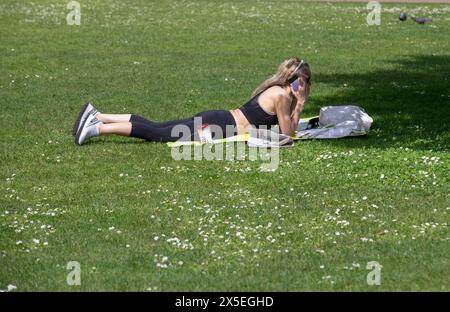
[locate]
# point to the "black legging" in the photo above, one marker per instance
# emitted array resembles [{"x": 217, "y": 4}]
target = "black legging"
[{"x": 162, "y": 131}]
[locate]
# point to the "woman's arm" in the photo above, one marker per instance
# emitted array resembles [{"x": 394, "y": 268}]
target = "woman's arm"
[
  {"x": 301, "y": 95},
  {"x": 287, "y": 119},
  {"x": 283, "y": 109},
  {"x": 295, "y": 115}
]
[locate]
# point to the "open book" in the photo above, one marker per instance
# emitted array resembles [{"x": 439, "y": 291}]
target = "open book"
[{"x": 268, "y": 138}]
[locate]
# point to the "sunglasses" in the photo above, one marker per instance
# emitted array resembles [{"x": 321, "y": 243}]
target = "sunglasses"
[{"x": 295, "y": 77}]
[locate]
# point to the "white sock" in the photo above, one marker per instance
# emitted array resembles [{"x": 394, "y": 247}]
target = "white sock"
[{"x": 94, "y": 130}]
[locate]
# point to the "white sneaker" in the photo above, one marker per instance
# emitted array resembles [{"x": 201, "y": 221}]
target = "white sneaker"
[
  {"x": 88, "y": 129},
  {"x": 87, "y": 109}
]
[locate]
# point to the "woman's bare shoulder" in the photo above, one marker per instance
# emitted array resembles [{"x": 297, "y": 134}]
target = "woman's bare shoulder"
[{"x": 277, "y": 93}]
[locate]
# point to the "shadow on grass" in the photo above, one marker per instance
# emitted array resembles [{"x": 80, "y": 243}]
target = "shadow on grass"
[
  {"x": 118, "y": 140},
  {"x": 409, "y": 101}
]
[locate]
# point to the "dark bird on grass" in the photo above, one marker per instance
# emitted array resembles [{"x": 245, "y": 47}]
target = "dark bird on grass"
[
  {"x": 421, "y": 20},
  {"x": 402, "y": 16}
]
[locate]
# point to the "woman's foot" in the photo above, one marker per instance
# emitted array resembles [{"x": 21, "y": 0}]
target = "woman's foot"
[
  {"x": 86, "y": 110},
  {"x": 89, "y": 129}
]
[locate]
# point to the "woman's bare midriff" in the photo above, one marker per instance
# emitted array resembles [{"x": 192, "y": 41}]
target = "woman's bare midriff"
[
  {"x": 242, "y": 122},
  {"x": 266, "y": 101}
]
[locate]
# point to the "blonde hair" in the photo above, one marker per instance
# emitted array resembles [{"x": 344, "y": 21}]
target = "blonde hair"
[{"x": 285, "y": 71}]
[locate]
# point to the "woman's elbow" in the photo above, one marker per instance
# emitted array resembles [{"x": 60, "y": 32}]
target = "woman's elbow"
[{"x": 289, "y": 132}]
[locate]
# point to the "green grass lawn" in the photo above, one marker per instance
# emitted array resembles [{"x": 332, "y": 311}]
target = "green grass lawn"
[{"x": 136, "y": 219}]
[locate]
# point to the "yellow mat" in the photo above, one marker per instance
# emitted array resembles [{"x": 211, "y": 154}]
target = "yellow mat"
[{"x": 236, "y": 138}]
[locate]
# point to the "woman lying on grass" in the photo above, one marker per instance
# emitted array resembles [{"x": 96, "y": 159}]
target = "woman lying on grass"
[{"x": 278, "y": 100}]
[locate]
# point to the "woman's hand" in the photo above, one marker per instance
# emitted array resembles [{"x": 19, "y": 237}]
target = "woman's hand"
[{"x": 302, "y": 93}]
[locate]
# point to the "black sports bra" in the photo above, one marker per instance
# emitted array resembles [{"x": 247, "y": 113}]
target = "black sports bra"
[{"x": 256, "y": 115}]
